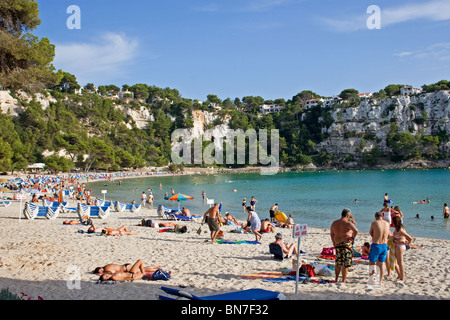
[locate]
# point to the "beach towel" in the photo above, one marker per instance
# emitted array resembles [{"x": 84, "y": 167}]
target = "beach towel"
[
  {"x": 300, "y": 279},
  {"x": 392, "y": 258},
  {"x": 262, "y": 275},
  {"x": 221, "y": 241},
  {"x": 285, "y": 279}
]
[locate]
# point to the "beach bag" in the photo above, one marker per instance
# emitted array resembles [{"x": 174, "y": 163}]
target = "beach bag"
[
  {"x": 306, "y": 270},
  {"x": 328, "y": 251},
  {"x": 160, "y": 275}
]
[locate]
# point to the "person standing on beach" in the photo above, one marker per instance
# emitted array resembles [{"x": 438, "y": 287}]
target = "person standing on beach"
[
  {"x": 213, "y": 221},
  {"x": 253, "y": 202},
  {"x": 378, "y": 254},
  {"x": 272, "y": 212},
  {"x": 143, "y": 199},
  {"x": 401, "y": 238},
  {"x": 150, "y": 200},
  {"x": 255, "y": 223},
  {"x": 343, "y": 234}
]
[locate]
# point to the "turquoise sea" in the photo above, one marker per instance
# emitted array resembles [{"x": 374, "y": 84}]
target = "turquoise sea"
[{"x": 313, "y": 198}]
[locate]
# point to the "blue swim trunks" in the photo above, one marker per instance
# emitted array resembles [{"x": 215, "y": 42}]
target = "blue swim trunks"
[{"x": 378, "y": 252}]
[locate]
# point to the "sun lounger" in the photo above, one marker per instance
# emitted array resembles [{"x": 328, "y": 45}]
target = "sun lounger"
[
  {"x": 104, "y": 203},
  {"x": 166, "y": 213},
  {"x": 132, "y": 207},
  {"x": 32, "y": 211},
  {"x": 93, "y": 211},
  {"x": 5, "y": 203},
  {"x": 178, "y": 217},
  {"x": 250, "y": 294},
  {"x": 55, "y": 204}
]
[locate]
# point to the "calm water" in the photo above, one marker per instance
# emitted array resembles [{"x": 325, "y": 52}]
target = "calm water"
[{"x": 313, "y": 198}]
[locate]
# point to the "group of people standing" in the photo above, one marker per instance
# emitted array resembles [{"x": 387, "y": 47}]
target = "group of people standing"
[{"x": 388, "y": 234}]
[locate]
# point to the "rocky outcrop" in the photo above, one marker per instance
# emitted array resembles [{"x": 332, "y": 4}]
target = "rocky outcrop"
[{"x": 361, "y": 128}]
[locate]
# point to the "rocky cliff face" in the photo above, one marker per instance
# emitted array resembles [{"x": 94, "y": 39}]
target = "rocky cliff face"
[{"x": 371, "y": 121}]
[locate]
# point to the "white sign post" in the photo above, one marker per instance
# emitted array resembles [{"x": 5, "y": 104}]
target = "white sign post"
[
  {"x": 104, "y": 194},
  {"x": 210, "y": 202},
  {"x": 299, "y": 230}
]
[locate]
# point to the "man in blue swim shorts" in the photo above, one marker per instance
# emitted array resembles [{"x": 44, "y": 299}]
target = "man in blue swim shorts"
[{"x": 379, "y": 231}]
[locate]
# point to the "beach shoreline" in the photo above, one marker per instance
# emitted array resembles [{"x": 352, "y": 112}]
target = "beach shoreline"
[{"x": 54, "y": 261}]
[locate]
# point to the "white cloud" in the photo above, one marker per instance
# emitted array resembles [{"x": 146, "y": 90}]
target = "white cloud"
[
  {"x": 434, "y": 10},
  {"x": 101, "y": 60},
  {"x": 439, "y": 51}
]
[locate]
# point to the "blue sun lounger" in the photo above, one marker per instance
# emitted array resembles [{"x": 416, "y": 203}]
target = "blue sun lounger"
[
  {"x": 250, "y": 294},
  {"x": 178, "y": 217},
  {"x": 5, "y": 203}
]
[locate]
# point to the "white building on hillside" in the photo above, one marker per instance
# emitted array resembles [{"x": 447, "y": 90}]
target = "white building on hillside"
[
  {"x": 312, "y": 103},
  {"x": 269, "y": 108},
  {"x": 409, "y": 90},
  {"x": 365, "y": 95}
]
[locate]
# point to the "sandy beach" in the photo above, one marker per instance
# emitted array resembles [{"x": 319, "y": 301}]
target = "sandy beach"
[{"x": 45, "y": 258}]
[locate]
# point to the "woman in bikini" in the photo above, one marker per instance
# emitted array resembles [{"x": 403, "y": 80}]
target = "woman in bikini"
[{"x": 400, "y": 238}]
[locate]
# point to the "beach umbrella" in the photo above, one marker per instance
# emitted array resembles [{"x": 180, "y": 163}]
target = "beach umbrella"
[{"x": 178, "y": 197}]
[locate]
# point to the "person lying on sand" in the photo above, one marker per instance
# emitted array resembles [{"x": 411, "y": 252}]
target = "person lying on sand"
[
  {"x": 136, "y": 272},
  {"x": 123, "y": 230},
  {"x": 84, "y": 220},
  {"x": 114, "y": 268}
]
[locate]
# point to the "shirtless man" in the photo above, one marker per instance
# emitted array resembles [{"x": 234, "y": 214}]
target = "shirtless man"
[
  {"x": 446, "y": 211},
  {"x": 185, "y": 212},
  {"x": 213, "y": 221},
  {"x": 272, "y": 212},
  {"x": 379, "y": 231},
  {"x": 266, "y": 226},
  {"x": 343, "y": 234}
]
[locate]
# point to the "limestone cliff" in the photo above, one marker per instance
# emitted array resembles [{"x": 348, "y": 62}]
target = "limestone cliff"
[{"x": 371, "y": 121}]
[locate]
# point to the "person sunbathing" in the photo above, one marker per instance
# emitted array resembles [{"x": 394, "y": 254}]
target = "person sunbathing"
[
  {"x": 230, "y": 219},
  {"x": 266, "y": 226},
  {"x": 136, "y": 272},
  {"x": 84, "y": 220},
  {"x": 123, "y": 230},
  {"x": 114, "y": 268},
  {"x": 288, "y": 249},
  {"x": 185, "y": 212}
]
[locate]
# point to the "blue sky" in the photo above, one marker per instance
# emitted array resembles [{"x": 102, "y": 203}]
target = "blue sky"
[{"x": 236, "y": 48}]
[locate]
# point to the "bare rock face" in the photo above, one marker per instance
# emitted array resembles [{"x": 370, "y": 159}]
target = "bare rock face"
[{"x": 371, "y": 121}]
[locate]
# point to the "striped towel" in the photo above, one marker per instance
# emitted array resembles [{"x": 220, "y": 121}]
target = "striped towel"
[{"x": 392, "y": 259}]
